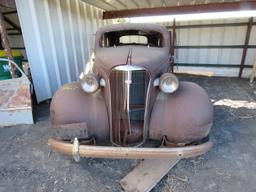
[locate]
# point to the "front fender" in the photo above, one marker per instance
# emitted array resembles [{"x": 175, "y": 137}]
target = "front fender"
[
  {"x": 71, "y": 105},
  {"x": 183, "y": 117}
]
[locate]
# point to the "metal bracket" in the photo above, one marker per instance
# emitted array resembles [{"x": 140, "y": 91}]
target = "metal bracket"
[
  {"x": 156, "y": 82},
  {"x": 75, "y": 150}
]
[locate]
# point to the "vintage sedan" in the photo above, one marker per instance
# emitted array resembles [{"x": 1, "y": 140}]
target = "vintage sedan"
[{"x": 129, "y": 104}]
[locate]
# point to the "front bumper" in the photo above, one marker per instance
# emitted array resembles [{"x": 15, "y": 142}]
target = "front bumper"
[{"x": 77, "y": 150}]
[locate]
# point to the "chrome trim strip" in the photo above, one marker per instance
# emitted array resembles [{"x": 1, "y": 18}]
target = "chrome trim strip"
[
  {"x": 110, "y": 113},
  {"x": 146, "y": 113},
  {"x": 128, "y": 68}
]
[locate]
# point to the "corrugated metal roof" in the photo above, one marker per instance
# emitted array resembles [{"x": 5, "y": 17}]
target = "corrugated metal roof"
[{"x": 110, "y": 5}]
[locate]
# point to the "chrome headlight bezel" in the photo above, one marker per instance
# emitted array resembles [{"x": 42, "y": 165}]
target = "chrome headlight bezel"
[
  {"x": 89, "y": 82},
  {"x": 168, "y": 83}
]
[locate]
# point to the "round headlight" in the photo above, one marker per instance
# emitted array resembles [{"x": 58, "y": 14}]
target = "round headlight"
[
  {"x": 89, "y": 83},
  {"x": 169, "y": 83}
]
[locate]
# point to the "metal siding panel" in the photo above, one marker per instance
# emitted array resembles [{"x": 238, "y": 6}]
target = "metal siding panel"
[
  {"x": 87, "y": 30},
  {"x": 253, "y": 36},
  {"x": 76, "y": 33},
  {"x": 203, "y": 57},
  {"x": 143, "y": 3},
  {"x": 205, "y": 36},
  {"x": 72, "y": 34},
  {"x": 67, "y": 48},
  {"x": 235, "y": 56},
  {"x": 63, "y": 41},
  {"x": 56, "y": 38},
  {"x": 118, "y": 5},
  {"x": 251, "y": 56},
  {"x": 100, "y": 4},
  {"x": 94, "y": 23},
  {"x": 54, "y": 79},
  {"x": 170, "y": 3},
  {"x": 129, "y": 4},
  {"x": 29, "y": 23},
  {"x": 52, "y": 43},
  {"x": 213, "y": 36},
  {"x": 79, "y": 31},
  {"x": 90, "y": 28}
]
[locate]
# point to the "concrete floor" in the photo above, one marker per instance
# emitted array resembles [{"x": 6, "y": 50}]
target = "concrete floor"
[{"x": 27, "y": 164}]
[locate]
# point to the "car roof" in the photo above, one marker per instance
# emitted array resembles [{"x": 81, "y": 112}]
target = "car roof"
[{"x": 133, "y": 26}]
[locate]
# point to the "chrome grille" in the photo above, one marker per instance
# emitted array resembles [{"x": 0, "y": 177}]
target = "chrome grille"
[{"x": 128, "y": 88}]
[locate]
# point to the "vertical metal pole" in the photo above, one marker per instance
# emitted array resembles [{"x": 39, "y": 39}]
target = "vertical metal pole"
[
  {"x": 6, "y": 46},
  {"x": 246, "y": 42},
  {"x": 173, "y": 37}
]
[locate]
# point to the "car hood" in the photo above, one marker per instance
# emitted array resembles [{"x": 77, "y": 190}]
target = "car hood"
[{"x": 151, "y": 58}]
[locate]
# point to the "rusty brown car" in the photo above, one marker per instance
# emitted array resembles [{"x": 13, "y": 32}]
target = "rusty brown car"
[{"x": 128, "y": 103}]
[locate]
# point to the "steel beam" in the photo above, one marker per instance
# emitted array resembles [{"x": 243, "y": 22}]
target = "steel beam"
[
  {"x": 10, "y": 12},
  {"x": 210, "y": 25},
  {"x": 8, "y": 4},
  {"x": 10, "y": 22},
  {"x": 211, "y": 65},
  {"x": 185, "y": 9},
  {"x": 172, "y": 47},
  {"x": 14, "y": 34},
  {"x": 246, "y": 45},
  {"x": 214, "y": 47}
]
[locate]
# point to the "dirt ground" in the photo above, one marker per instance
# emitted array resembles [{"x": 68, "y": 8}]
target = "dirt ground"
[{"x": 27, "y": 164}]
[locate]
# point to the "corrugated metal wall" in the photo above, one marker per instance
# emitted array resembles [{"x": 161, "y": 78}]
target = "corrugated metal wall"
[
  {"x": 216, "y": 36},
  {"x": 59, "y": 37}
]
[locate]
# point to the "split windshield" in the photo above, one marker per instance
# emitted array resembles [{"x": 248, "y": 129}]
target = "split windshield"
[{"x": 131, "y": 37}]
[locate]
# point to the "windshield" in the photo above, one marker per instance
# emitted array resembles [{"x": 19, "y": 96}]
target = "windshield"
[{"x": 131, "y": 37}]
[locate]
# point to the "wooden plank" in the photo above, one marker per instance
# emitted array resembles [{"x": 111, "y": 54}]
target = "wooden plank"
[{"x": 147, "y": 174}]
